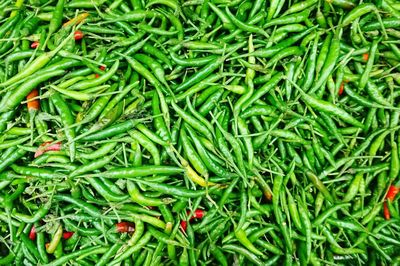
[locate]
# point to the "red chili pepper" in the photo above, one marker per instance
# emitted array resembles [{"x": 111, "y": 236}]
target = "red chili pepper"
[
  {"x": 365, "y": 56},
  {"x": 47, "y": 146},
  {"x": 390, "y": 196},
  {"x": 341, "y": 88},
  {"x": 32, "y": 233},
  {"x": 197, "y": 214},
  {"x": 125, "y": 227},
  {"x": 386, "y": 212},
  {"x": 68, "y": 235},
  {"x": 183, "y": 226},
  {"x": 35, "y": 45},
  {"x": 392, "y": 192},
  {"x": 102, "y": 68},
  {"x": 96, "y": 75},
  {"x": 78, "y": 35}
]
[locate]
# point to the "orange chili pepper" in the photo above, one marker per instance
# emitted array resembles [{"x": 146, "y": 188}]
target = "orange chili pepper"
[
  {"x": 386, "y": 212},
  {"x": 33, "y": 105},
  {"x": 341, "y": 88}
]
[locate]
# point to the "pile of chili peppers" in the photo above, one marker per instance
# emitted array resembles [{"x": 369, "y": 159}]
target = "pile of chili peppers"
[{"x": 199, "y": 132}]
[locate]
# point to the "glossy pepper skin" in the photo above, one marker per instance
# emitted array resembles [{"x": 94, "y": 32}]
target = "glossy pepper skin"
[{"x": 152, "y": 132}]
